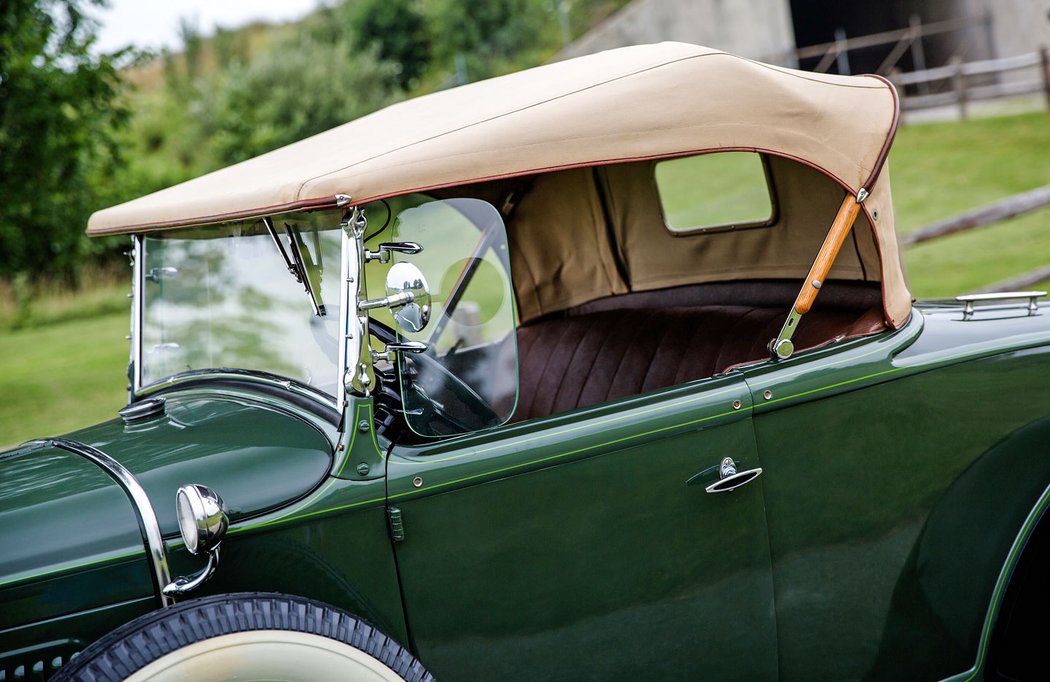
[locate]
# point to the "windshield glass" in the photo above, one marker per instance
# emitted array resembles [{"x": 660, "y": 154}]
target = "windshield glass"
[{"x": 226, "y": 296}]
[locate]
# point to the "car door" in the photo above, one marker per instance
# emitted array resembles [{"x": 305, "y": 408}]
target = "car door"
[{"x": 586, "y": 544}]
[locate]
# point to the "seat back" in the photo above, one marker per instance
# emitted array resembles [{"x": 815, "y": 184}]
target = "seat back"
[{"x": 578, "y": 360}]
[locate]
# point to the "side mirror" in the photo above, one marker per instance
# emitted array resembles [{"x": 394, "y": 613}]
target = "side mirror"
[
  {"x": 407, "y": 297},
  {"x": 203, "y": 523}
]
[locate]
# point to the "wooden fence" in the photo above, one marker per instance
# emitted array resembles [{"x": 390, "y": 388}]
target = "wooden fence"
[
  {"x": 961, "y": 83},
  {"x": 985, "y": 216},
  {"x": 957, "y": 83},
  {"x": 904, "y": 40}
]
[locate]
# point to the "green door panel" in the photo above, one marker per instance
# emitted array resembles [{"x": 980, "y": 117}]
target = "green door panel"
[
  {"x": 571, "y": 546},
  {"x": 898, "y": 475}
]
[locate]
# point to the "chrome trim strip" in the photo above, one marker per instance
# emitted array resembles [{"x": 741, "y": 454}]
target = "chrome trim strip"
[
  {"x": 147, "y": 518},
  {"x": 263, "y": 378},
  {"x": 136, "y": 317}
]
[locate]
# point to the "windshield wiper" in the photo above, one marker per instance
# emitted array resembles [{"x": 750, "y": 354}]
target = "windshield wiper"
[{"x": 296, "y": 263}]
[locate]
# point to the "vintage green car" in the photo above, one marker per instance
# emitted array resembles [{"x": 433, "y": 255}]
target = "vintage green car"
[{"x": 530, "y": 379}]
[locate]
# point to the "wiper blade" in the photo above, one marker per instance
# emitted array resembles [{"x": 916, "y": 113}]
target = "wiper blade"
[
  {"x": 296, "y": 247},
  {"x": 280, "y": 248},
  {"x": 293, "y": 258}
]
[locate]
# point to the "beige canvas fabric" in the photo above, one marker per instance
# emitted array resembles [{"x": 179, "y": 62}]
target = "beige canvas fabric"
[
  {"x": 629, "y": 104},
  {"x": 567, "y": 249}
]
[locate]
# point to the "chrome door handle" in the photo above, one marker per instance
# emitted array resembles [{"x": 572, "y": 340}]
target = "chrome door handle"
[{"x": 731, "y": 479}]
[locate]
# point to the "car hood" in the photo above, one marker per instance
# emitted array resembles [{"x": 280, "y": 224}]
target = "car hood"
[{"x": 59, "y": 511}]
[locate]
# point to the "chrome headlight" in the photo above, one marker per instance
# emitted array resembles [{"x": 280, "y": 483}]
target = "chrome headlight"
[{"x": 202, "y": 517}]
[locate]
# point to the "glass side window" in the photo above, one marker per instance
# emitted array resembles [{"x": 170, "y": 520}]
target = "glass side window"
[
  {"x": 468, "y": 377},
  {"x": 223, "y": 296},
  {"x": 712, "y": 192}
]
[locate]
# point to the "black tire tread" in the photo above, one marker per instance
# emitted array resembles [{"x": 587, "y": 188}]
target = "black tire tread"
[{"x": 155, "y": 634}]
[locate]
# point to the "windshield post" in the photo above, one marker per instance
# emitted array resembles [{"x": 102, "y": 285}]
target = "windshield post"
[
  {"x": 135, "y": 353},
  {"x": 353, "y": 341}
]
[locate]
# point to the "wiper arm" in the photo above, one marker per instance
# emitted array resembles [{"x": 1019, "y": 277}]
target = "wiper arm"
[
  {"x": 280, "y": 248},
  {"x": 296, "y": 262},
  {"x": 296, "y": 248}
]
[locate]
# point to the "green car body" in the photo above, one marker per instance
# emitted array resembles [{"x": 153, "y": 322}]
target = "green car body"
[{"x": 897, "y": 481}]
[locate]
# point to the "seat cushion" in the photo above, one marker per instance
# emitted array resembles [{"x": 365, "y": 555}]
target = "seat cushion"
[{"x": 578, "y": 360}]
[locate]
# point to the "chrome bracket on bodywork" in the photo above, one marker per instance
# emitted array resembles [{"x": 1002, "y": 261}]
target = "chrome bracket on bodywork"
[
  {"x": 782, "y": 347},
  {"x": 181, "y": 586},
  {"x": 144, "y": 514},
  {"x": 968, "y": 300}
]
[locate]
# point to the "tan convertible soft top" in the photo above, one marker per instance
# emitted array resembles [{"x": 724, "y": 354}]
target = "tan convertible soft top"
[{"x": 633, "y": 103}]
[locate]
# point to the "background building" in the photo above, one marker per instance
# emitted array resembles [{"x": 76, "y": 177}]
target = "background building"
[{"x": 773, "y": 30}]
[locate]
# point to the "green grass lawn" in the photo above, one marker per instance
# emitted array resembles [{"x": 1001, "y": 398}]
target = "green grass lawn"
[
  {"x": 941, "y": 169},
  {"x": 62, "y": 376},
  {"x": 66, "y": 369}
]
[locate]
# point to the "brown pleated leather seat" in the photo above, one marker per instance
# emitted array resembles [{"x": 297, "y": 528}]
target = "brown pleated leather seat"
[{"x": 577, "y": 360}]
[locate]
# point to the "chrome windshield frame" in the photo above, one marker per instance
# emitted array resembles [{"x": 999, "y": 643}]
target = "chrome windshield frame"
[
  {"x": 234, "y": 374},
  {"x": 135, "y": 361},
  {"x": 349, "y": 342},
  {"x": 353, "y": 346}
]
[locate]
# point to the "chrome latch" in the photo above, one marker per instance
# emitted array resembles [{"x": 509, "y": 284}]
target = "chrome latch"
[
  {"x": 387, "y": 248},
  {"x": 403, "y": 347},
  {"x": 731, "y": 479}
]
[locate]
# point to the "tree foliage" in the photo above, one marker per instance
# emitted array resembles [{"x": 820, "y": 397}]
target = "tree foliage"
[
  {"x": 63, "y": 138},
  {"x": 59, "y": 108},
  {"x": 490, "y": 35},
  {"x": 399, "y": 29},
  {"x": 300, "y": 88}
]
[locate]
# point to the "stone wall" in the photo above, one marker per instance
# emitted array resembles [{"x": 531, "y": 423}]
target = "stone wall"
[{"x": 760, "y": 29}]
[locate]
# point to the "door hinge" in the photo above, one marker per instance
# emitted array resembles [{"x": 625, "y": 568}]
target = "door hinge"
[{"x": 397, "y": 528}]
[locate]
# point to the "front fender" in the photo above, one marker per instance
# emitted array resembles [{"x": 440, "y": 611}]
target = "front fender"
[{"x": 74, "y": 543}]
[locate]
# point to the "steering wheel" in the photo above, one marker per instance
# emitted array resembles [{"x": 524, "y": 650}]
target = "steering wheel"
[{"x": 444, "y": 381}]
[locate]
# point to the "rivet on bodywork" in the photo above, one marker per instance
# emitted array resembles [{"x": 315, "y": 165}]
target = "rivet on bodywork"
[
  {"x": 767, "y": 395},
  {"x": 363, "y": 468},
  {"x": 417, "y": 482},
  {"x": 362, "y": 426},
  {"x": 737, "y": 404}
]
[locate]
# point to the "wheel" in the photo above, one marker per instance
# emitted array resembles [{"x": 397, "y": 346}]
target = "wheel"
[{"x": 245, "y": 636}]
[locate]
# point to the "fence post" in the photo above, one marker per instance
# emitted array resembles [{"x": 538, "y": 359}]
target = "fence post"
[
  {"x": 959, "y": 84},
  {"x": 918, "y": 54},
  {"x": 1044, "y": 53}
]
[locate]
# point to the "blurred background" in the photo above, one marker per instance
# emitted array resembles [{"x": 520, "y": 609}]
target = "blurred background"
[{"x": 104, "y": 102}]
